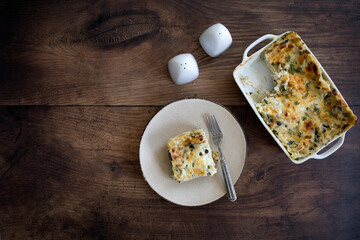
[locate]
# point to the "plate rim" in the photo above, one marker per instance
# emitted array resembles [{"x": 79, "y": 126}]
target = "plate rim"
[{"x": 190, "y": 99}]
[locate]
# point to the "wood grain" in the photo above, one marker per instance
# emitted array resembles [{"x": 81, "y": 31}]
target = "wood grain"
[
  {"x": 80, "y": 80},
  {"x": 73, "y": 172},
  {"x": 111, "y": 52}
]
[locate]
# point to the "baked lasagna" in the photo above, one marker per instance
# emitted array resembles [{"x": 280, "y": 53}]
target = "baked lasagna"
[
  {"x": 304, "y": 111},
  {"x": 191, "y": 156}
]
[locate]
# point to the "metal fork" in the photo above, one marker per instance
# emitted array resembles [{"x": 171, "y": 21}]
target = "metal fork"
[{"x": 217, "y": 137}]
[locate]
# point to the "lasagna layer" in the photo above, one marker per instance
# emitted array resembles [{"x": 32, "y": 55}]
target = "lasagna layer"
[
  {"x": 304, "y": 110},
  {"x": 191, "y": 156}
]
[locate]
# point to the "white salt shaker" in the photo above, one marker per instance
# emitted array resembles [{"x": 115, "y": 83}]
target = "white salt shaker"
[
  {"x": 183, "y": 68},
  {"x": 215, "y": 40}
]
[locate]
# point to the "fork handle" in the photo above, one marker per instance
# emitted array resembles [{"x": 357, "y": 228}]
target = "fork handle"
[{"x": 228, "y": 182}]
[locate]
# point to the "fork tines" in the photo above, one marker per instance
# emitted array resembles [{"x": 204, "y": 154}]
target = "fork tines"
[{"x": 213, "y": 125}]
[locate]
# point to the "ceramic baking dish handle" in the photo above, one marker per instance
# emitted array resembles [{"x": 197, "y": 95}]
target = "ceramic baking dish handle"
[
  {"x": 331, "y": 150},
  {"x": 256, "y": 42}
]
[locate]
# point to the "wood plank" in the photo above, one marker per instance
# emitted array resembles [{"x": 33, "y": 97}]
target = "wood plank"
[
  {"x": 74, "y": 173},
  {"x": 111, "y": 52}
]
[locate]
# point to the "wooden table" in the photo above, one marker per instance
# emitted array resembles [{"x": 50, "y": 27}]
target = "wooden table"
[{"x": 80, "y": 80}]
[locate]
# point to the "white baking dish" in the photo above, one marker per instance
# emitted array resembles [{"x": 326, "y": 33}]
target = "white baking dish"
[{"x": 254, "y": 69}]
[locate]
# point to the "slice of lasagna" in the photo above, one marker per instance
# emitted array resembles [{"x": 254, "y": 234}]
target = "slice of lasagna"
[
  {"x": 304, "y": 110},
  {"x": 191, "y": 156}
]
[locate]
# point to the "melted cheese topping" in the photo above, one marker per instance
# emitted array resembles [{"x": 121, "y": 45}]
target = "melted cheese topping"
[
  {"x": 304, "y": 110},
  {"x": 191, "y": 156}
]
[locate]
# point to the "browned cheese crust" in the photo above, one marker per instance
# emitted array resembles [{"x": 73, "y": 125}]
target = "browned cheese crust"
[{"x": 304, "y": 111}]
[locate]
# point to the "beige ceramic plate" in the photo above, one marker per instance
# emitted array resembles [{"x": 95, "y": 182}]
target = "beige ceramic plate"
[{"x": 178, "y": 117}]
